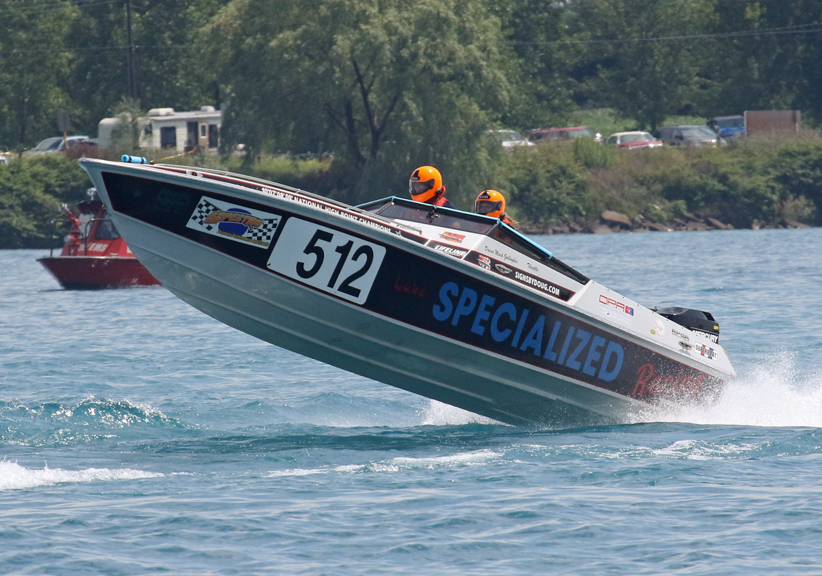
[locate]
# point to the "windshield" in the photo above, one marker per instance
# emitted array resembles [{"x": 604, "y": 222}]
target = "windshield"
[
  {"x": 401, "y": 209},
  {"x": 641, "y": 137},
  {"x": 735, "y": 122},
  {"x": 49, "y": 144},
  {"x": 698, "y": 132},
  {"x": 508, "y": 136},
  {"x": 578, "y": 133}
]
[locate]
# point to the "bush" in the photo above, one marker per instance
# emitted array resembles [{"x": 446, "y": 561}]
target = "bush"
[
  {"x": 31, "y": 192},
  {"x": 545, "y": 184}
]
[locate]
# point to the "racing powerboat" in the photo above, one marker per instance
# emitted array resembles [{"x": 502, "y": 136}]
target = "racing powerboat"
[
  {"x": 454, "y": 306},
  {"x": 94, "y": 255}
]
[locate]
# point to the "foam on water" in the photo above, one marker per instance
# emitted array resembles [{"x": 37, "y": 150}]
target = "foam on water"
[
  {"x": 439, "y": 414},
  {"x": 776, "y": 394},
  {"x": 402, "y": 463},
  {"x": 16, "y": 477}
]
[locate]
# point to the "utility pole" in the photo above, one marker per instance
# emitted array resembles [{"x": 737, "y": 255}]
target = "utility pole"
[{"x": 129, "y": 53}]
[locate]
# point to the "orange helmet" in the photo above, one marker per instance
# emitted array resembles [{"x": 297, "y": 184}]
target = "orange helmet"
[
  {"x": 424, "y": 184},
  {"x": 491, "y": 203}
]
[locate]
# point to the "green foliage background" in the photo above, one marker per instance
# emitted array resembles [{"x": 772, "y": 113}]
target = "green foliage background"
[{"x": 366, "y": 90}]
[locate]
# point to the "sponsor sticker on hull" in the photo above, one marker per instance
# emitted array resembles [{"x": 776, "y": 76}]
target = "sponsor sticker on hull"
[{"x": 236, "y": 223}]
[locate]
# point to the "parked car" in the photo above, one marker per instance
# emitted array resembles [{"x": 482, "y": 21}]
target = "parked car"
[
  {"x": 728, "y": 126},
  {"x": 56, "y": 144},
  {"x": 633, "y": 140},
  {"x": 689, "y": 135},
  {"x": 509, "y": 139},
  {"x": 545, "y": 134}
]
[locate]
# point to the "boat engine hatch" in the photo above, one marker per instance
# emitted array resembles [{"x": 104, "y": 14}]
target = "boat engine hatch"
[{"x": 696, "y": 320}]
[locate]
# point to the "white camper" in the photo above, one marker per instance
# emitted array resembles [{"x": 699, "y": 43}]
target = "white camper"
[{"x": 164, "y": 128}]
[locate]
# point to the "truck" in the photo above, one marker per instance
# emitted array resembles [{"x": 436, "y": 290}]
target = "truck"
[
  {"x": 727, "y": 126},
  {"x": 772, "y": 121}
]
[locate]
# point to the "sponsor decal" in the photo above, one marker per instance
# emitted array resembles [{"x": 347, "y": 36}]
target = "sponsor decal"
[
  {"x": 409, "y": 288},
  {"x": 680, "y": 334},
  {"x": 568, "y": 347},
  {"x": 712, "y": 337},
  {"x": 658, "y": 329},
  {"x": 504, "y": 256},
  {"x": 234, "y": 222},
  {"x": 452, "y": 237},
  {"x": 502, "y": 268},
  {"x": 450, "y": 250},
  {"x": 532, "y": 267},
  {"x": 521, "y": 277},
  {"x": 705, "y": 351},
  {"x": 543, "y": 285},
  {"x": 647, "y": 384},
  {"x": 619, "y": 306},
  {"x": 305, "y": 201}
]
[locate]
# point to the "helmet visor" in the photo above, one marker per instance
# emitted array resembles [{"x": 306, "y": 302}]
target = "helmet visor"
[
  {"x": 417, "y": 188},
  {"x": 488, "y": 206}
]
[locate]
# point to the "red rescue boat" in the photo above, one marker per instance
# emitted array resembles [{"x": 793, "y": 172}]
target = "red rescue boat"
[{"x": 94, "y": 255}]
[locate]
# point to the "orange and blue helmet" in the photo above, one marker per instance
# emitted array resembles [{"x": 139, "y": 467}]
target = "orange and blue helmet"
[
  {"x": 424, "y": 183},
  {"x": 490, "y": 203}
]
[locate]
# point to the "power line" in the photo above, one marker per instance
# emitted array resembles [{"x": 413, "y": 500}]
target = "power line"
[
  {"x": 739, "y": 34},
  {"x": 42, "y": 9},
  {"x": 86, "y": 48}
]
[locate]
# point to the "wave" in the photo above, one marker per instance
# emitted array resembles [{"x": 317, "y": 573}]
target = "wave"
[
  {"x": 61, "y": 424},
  {"x": 439, "y": 414},
  {"x": 16, "y": 477},
  {"x": 399, "y": 464},
  {"x": 776, "y": 394}
]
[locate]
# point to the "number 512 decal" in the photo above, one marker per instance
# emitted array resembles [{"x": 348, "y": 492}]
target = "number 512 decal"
[{"x": 327, "y": 259}]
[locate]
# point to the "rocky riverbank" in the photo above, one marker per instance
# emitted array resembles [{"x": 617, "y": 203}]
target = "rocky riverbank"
[{"x": 610, "y": 222}]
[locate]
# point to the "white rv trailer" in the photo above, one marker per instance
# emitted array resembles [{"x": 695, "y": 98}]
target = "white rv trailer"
[{"x": 164, "y": 128}]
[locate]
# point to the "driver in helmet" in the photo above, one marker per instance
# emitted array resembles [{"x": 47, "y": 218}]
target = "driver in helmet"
[
  {"x": 425, "y": 185},
  {"x": 492, "y": 203}
]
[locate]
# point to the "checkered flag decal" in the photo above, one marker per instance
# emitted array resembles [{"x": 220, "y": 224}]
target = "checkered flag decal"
[
  {"x": 259, "y": 233},
  {"x": 265, "y": 232},
  {"x": 203, "y": 211}
]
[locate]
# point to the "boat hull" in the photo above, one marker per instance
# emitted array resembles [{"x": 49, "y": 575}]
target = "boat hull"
[
  {"x": 396, "y": 311},
  {"x": 97, "y": 272}
]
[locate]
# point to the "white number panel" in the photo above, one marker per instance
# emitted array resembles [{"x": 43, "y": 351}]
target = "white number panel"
[{"x": 327, "y": 259}]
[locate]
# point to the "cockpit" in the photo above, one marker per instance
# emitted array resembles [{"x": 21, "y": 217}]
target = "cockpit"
[{"x": 408, "y": 213}]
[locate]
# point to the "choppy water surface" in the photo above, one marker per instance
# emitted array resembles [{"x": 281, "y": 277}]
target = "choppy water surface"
[{"x": 138, "y": 435}]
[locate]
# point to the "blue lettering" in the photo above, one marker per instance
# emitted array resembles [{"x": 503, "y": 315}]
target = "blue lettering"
[
  {"x": 613, "y": 349},
  {"x": 443, "y": 311},
  {"x": 521, "y": 324},
  {"x": 565, "y": 344},
  {"x": 497, "y": 334},
  {"x": 593, "y": 356},
  {"x": 482, "y": 314},
  {"x": 466, "y": 304},
  {"x": 584, "y": 337},
  {"x": 534, "y": 338},
  {"x": 549, "y": 350}
]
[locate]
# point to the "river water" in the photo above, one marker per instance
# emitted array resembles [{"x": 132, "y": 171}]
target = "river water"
[{"x": 138, "y": 435}]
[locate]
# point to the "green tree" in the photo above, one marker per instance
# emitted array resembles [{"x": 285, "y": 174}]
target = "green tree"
[
  {"x": 168, "y": 70},
  {"x": 384, "y": 84},
  {"x": 642, "y": 56},
  {"x": 765, "y": 56},
  {"x": 32, "y": 65}
]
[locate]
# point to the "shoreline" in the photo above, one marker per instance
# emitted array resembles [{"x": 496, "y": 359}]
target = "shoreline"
[{"x": 611, "y": 222}]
